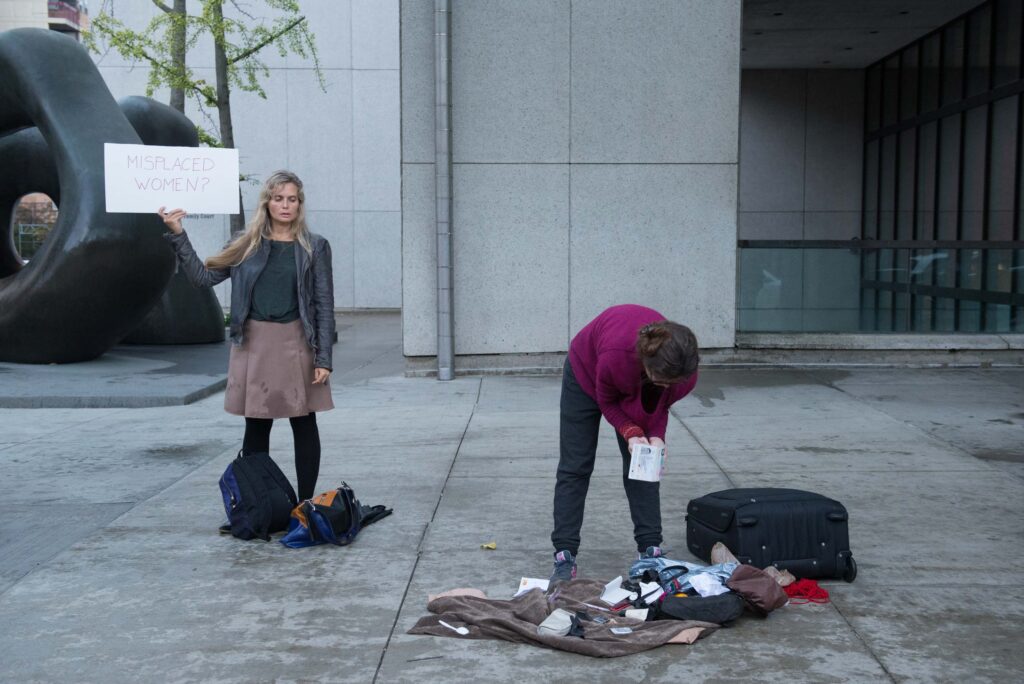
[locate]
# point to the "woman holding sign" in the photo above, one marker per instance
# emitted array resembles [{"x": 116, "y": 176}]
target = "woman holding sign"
[
  {"x": 629, "y": 365},
  {"x": 282, "y": 319}
]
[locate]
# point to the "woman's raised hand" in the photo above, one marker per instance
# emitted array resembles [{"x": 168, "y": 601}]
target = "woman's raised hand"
[{"x": 172, "y": 218}]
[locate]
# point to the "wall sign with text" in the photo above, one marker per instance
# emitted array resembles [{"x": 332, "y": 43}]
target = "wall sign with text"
[{"x": 143, "y": 178}]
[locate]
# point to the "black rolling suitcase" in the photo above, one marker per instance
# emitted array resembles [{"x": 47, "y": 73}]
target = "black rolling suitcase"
[{"x": 793, "y": 530}]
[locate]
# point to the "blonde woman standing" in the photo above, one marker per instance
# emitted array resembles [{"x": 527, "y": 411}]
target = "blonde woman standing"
[{"x": 282, "y": 319}]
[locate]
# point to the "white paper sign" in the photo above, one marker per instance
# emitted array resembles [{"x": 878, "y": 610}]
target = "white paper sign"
[
  {"x": 646, "y": 463},
  {"x": 143, "y": 178}
]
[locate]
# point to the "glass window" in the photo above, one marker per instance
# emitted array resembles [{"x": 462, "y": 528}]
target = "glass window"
[
  {"x": 979, "y": 47},
  {"x": 1017, "y": 276},
  {"x": 998, "y": 318},
  {"x": 949, "y": 176},
  {"x": 884, "y": 311},
  {"x": 906, "y": 184},
  {"x": 921, "y": 321},
  {"x": 1007, "y": 49},
  {"x": 900, "y": 312},
  {"x": 974, "y": 147},
  {"x": 952, "y": 63},
  {"x": 927, "y": 142},
  {"x": 1018, "y": 271},
  {"x": 951, "y": 179},
  {"x": 1002, "y": 169},
  {"x": 869, "y": 264},
  {"x": 969, "y": 316},
  {"x": 969, "y": 273},
  {"x": 923, "y": 263},
  {"x": 944, "y": 314},
  {"x": 873, "y": 97},
  {"x": 890, "y": 90},
  {"x": 929, "y": 69},
  {"x": 887, "y": 192},
  {"x": 1019, "y": 228},
  {"x": 870, "y": 229},
  {"x": 944, "y": 268},
  {"x": 908, "y": 83},
  {"x": 999, "y": 270}
]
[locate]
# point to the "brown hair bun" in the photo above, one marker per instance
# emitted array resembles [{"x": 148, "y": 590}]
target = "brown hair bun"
[{"x": 668, "y": 350}]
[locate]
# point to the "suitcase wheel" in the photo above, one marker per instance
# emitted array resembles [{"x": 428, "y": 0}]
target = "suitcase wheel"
[{"x": 850, "y": 573}]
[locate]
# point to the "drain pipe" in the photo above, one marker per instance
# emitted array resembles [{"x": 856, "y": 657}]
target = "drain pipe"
[{"x": 443, "y": 187}]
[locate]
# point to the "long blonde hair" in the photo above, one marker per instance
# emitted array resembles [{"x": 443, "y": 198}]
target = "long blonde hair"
[{"x": 259, "y": 228}]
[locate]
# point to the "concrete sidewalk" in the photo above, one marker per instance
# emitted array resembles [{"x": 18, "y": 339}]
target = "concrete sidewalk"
[{"x": 111, "y": 568}]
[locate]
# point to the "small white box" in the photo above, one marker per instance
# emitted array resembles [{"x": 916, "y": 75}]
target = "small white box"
[{"x": 646, "y": 463}]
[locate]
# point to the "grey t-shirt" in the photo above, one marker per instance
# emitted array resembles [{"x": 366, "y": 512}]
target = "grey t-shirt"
[{"x": 275, "y": 295}]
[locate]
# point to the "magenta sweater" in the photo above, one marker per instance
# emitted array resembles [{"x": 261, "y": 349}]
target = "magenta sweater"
[{"x": 604, "y": 360}]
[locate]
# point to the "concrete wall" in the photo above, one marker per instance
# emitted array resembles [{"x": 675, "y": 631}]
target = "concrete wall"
[
  {"x": 23, "y": 14},
  {"x": 801, "y": 151},
  {"x": 343, "y": 143},
  {"x": 595, "y": 151},
  {"x": 801, "y": 148}
]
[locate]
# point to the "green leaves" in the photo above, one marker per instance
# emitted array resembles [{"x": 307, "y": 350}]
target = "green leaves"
[{"x": 241, "y": 36}]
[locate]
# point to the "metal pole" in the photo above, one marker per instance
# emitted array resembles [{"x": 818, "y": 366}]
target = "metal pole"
[{"x": 443, "y": 188}]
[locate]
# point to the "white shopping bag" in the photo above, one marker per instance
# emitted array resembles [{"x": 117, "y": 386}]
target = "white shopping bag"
[{"x": 646, "y": 462}]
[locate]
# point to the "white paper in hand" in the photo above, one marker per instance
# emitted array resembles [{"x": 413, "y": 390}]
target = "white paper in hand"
[{"x": 646, "y": 462}]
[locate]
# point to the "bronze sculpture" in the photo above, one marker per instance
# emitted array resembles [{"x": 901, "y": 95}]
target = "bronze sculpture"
[{"x": 97, "y": 276}]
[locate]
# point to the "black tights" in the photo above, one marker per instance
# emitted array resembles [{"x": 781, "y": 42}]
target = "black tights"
[{"x": 307, "y": 447}]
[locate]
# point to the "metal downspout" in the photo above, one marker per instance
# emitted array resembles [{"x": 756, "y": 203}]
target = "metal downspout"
[{"x": 443, "y": 188}]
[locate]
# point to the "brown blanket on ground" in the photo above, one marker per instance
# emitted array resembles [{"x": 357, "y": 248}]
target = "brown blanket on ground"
[{"x": 517, "y": 619}]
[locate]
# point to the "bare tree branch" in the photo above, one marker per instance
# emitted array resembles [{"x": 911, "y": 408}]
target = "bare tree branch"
[
  {"x": 163, "y": 7},
  {"x": 267, "y": 41},
  {"x": 242, "y": 11}
]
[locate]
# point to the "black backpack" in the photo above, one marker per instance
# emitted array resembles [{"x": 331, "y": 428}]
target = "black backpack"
[{"x": 258, "y": 498}]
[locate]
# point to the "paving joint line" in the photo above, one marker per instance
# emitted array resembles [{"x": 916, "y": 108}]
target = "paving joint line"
[
  {"x": 426, "y": 528},
  {"x": 704, "y": 449},
  {"x": 110, "y": 522},
  {"x": 863, "y": 641}
]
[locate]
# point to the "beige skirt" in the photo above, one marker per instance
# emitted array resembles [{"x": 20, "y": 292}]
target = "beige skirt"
[{"x": 270, "y": 375}]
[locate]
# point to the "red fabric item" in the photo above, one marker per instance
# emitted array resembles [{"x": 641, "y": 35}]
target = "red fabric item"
[
  {"x": 805, "y": 591},
  {"x": 604, "y": 360}
]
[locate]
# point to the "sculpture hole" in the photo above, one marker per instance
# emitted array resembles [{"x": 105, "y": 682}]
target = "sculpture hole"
[{"x": 34, "y": 217}]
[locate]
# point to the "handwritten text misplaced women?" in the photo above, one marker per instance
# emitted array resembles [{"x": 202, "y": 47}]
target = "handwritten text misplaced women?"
[{"x": 180, "y": 172}]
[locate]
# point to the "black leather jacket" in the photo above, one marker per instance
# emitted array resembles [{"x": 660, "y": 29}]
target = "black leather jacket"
[{"x": 315, "y": 283}]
